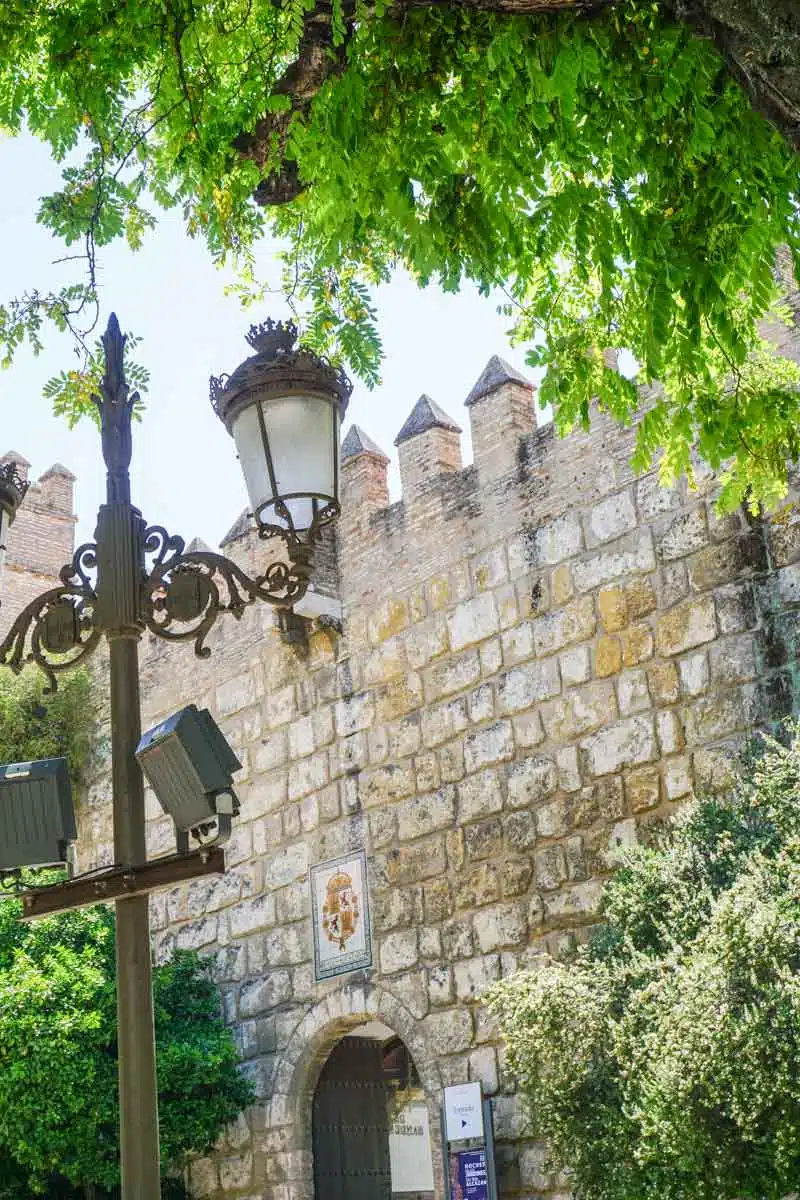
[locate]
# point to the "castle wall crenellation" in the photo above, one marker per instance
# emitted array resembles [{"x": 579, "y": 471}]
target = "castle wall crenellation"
[{"x": 542, "y": 654}]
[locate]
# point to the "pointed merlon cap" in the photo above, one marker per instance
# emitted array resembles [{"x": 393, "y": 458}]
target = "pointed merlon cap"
[
  {"x": 240, "y": 527},
  {"x": 496, "y": 372},
  {"x": 425, "y": 415},
  {"x": 58, "y": 469},
  {"x": 357, "y": 442},
  {"x": 197, "y": 544}
]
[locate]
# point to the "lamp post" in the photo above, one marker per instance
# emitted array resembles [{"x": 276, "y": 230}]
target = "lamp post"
[
  {"x": 283, "y": 406},
  {"x": 12, "y": 492}
]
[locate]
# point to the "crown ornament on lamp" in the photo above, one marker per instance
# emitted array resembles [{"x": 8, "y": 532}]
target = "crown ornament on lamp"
[{"x": 284, "y": 406}]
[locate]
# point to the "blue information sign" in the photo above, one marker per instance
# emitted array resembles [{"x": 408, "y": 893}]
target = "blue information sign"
[{"x": 469, "y": 1176}]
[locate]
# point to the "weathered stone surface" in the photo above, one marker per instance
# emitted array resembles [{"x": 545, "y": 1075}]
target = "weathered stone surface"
[
  {"x": 611, "y": 518},
  {"x": 261, "y": 995},
  {"x": 479, "y": 796},
  {"x": 632, "y": 554},
  {"x": 491, "y": 744},
  {"x": 575, "y": 666},
  {"x": 421, "y": 815},
  {"x": 472, "y": 621},
  {"x": 449, "y": 1032},
  {"x": 525, "y": 686},
  {"x": 573, "y": 623},
  {"x": 502, "y": 925},
  {"x": 550, "y": 867},
  {"x": 579, "y": 711},
  {"x": 686, "y": 533},
  {"x": 607, "y": 656},
  {"x": 399, "y": 951},
  {"x": 531, "y": 780},
  {"x": 474, "y": 977},
  {"x": 556, "y": 541},
  {"x": 686, "y": 625},
  {"x": 624, "y": 744}
]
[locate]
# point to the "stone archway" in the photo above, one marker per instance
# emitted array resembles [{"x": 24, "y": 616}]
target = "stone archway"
[{"x": 287, "y": 1134}]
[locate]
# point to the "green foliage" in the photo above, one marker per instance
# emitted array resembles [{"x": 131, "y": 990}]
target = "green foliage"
[
  {"x": 59, "y": 1112},
  {"x": 663, "y": 1062},
  {"x": 33, "y": 725},
  {"x": 605, "y": 173}
]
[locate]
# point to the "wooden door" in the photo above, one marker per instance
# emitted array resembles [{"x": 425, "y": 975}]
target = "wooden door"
[{"x": 351, "y": 1124}]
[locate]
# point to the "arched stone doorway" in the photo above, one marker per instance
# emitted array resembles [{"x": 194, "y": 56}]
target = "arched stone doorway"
[{"x": 370, "y": 1129}]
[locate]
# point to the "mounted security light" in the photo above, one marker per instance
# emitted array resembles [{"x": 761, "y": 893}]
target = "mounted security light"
[
  {"x": 37, "y": 819},
  {"x": 189, "y": 765}
]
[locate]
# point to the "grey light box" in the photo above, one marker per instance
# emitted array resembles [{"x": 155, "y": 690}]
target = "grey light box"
[
  {"x": 189, "y": 765},
  {"x": 37, "y": 820}
]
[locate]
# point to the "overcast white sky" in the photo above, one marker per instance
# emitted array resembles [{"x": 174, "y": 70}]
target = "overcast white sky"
[{"x": 184, "y": 471}]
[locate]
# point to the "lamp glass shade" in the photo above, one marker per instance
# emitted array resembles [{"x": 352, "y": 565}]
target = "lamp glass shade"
[{"x": 288, "y": 447}]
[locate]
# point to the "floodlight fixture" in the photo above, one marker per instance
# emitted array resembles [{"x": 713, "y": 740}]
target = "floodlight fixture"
[
  {"x": 189, "y": 764},
  {"x": 37, "y": 818}
]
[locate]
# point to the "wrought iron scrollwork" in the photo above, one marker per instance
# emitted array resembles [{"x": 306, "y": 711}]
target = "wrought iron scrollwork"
[
  {"x": 59, "y": 628},
  {"x": 191, "y": 588}
]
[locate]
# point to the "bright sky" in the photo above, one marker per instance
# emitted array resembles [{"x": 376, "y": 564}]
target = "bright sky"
[{"x": 184, "y": 472}]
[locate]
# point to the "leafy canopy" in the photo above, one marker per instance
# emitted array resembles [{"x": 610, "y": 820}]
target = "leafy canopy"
[
  {"x": 34, "y": 725},
  {"x": 59, "y": 1113},
  {"x": 604, "y": 172},
  {"x": 663, "y": 1063}
]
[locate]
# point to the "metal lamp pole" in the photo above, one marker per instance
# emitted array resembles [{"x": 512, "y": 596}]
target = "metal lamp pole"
[{"x": 134, "y": 578}]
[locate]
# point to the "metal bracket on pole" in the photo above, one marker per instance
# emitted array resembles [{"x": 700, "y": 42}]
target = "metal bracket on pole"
[{"x": 120, "y": 883}]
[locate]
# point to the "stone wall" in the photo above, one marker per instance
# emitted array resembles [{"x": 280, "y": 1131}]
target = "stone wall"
[
  {"x": 541, "y": 655},
  {"x": 40, "y": 541}
]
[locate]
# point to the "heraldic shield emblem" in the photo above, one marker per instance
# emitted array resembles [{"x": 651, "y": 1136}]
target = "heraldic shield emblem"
[{"x": 340, "y": 916}]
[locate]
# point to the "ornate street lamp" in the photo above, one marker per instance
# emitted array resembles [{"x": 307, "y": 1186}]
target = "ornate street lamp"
[
  {"x": 284, "y": 408},
  {"x": 12, "y": 492}
]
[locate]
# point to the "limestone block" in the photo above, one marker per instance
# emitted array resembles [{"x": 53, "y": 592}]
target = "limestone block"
[
  {"x": 694, "y": 674},
  {"x": 420, "y": 815},
  {"x": 525, "y": 686},
  {"x": 633, "y": 692},
  {"x": 520, "y": 830},
  {"x": 249, "y": 915},
  {"x": 265, "y": 794},
  {"x": 576, "y": 858},
  {"x": 203, "y": 1177},
  {"x": 307, "y": 775},
  {"x": 430, "y": 943},
  {"x": 452, "y": 675},
  {"x": 484, "y": 839},
  {"x": 685, "y": 626},
  {"x": 195, "y": 934},
  {"x": 579, "y": 902},
  {"x": 260, "y": 995},
  {"x": 451, "y": 762},
  {"x": 483, "y": 1067},
  {"x": 405, "y": 737},
  {"x": 309, "y": 813},
  {"x": 399, "y": 951},
  {"x": 561, "y": 588},
  {"x": 479, "y": 796},
  {"x": 531, "y": 780},
  {"x": 607, "y": 656},
  {"x": 301, "y": 737},
  {"x": 480, "y": 886},
  {"x": 236, "y": 693},
  {"x": 553, "y": 818},
  {"x": 382, "y": 784},
  {"x": 575, "y": 666},
  {"x": 533, "y": 1168},
  {"x": 517, "y": 643},
  {"x": 399, "y": 697},
  {"x": 457, "y": 939},
  {"x": 677, "y": 778},
  {"x": 644, "y": 789},
  {"x": 575, "y": 622},
  {"x": 329, "y": 803},
  {"x": 386, "y": 661},
  {"x": 426, "y": 771},
  {"x": 499, "y": 926},
  {"x": 733, "y": 660},
  {"x": 569, "y": 775},
  {"x": 579, "y": 711},
  {"x": 630, "y": 555},
  {"x": 553, "y": 542},
  {"x": 622, "y": 835},
  {"x": 613, "y": 609},
  {"x": 670, "y": 732},
  {"x": 411, "y": 989},
  {"x": 489, "y": 568},
  {"x": 440, "y": 986},
  {"x": 687, "y": 532},
  {"x": 528, "y": 729},
  {"x": 637, "y": 644},
  {"x": 491, "y": 744},
  {"x": 480, "y": 704},
  {"x": 627, "y": 743},
  {"x": 491, "y": 657},
  {"x": 662, "y": 679},
  {"x": 640, "y": 599},
  {"x": 427, "y": 642},
  {"x": 288, "y": 865},
  {"x": 719, "y": 715},
  {"x": 550, "y": 867},
  {"x": 653, "y": 499},
  {"x": 236, "y": 1172},
  {"x": 417, "y": 861},
  {"x": 610, "y": 518},
  {"x": 517, "y": 874},
  {"x": 736, "y": 609},
  {"x": 438, "y": 901},
  {"x": 472, "y": 621},
  {"x": 279, "y": 705},
  {"x": 474, "y": 977},
  {"x": 354, "y": 713},
  {"x": 293, "y": 903},
  {"x": 393, "y": 909},
  {"x": 507, "y": 608},
  {"x": 455, "y": 846},
  {"x": 387, "y": 618}
]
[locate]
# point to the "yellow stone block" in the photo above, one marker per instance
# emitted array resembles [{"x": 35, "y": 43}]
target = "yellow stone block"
[
  {"x": 644, "y": 789},
  {"x": 637, "y": 644},
  {"x": 607, "y": 657},
  {"x": 613, "y": 610},
  {"x": 438, "y": 592},
  {"x": 640, "y": 599},
  {"x": 662, "y": 678},
  {"x": 561, "y": 584}
]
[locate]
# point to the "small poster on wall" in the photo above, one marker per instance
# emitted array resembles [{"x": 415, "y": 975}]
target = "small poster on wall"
[
  {"x": 340, "y": 915},
  {"x": 469, "y": 1175}
]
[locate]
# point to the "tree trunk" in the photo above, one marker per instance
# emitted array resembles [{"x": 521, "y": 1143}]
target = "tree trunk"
[{"x": 759, "y": 40}]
